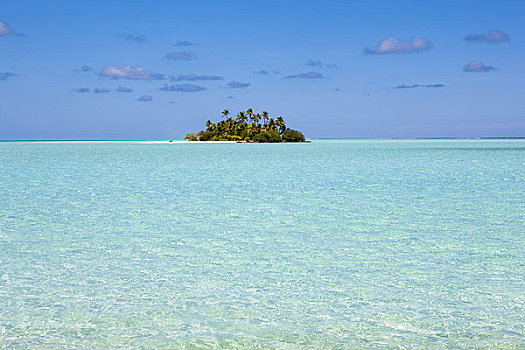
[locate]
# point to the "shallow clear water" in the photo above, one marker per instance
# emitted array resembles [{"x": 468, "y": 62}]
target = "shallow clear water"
[{"x": 331, "y": 244}]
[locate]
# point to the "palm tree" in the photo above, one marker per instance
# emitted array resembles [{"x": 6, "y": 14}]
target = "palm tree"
[
  {"x": 265, "y": 117},
  {"x": 251, "y": 131},
  {"x": 210, "y": 126},
  {"x": 239, "y": 127},
  {"x": 250, "y": 113},
  {"x": 225, "y": 113},
  {"x": 256, "y": 118},
  {"x": 230, "y": 126},
  {"x": 281, "y": 125},
  {"x": 271, "y": 124},
  {"x": 242, "y": 118}
]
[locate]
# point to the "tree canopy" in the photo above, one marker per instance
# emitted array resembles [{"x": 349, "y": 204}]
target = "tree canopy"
[{"x": 247, "y": 127}]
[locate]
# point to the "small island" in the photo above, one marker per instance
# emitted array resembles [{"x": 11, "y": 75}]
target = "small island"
[{"x": 246, "y": 127}]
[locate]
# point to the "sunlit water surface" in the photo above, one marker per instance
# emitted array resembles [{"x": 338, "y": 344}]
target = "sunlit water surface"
[{"x": 330, "y": 244}]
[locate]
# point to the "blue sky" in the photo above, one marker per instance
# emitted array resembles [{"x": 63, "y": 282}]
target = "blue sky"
[{"x": 160, "y": 69}]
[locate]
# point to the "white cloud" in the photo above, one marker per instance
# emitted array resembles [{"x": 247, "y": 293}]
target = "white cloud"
[
  {"x": 4, "y": 29},
  {"x": 128, "y": 72},
  {"x": 394, "y": 45},
  {"x": 477, "y": 66}
]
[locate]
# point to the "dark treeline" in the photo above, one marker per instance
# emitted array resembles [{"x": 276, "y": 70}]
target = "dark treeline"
[{"x": 248, "y": 127}]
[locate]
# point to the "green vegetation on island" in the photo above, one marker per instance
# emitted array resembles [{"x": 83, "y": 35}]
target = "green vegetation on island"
[{"x": 247, "y": 127}]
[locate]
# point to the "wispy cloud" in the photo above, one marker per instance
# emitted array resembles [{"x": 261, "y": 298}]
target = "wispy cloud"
[
  {"x": 183, "y": 43},
  {"x": 413, "y": 86},
  {"x": 180, "y": 56},
  {"x": 124, "y": 89},
  {"x": 136, "y": 37},
  {"x": 85, "y": 69},
  {"x": 265, "y": 72},
  {"x": 101, "y": 91},
  {"x": 95, "y": 90},
  {"x": 7, "y": 75},
  {"x": 314, "y": 63},
  {"x": 492, "y": 37},
  {"x": 4, "y": 29},
  {"x": 477, "y": 66},
  {"x": 128, "y": 72},
  {"x": 396, "y": 46},
  {"x": 309, "y": 75},
  {"x": 82, "y": 90},
  {"x": 145, "y": 98},
  {"x": 182, "y": 88},
  {"x": 237, "y": 85},
  {"x": 194, "y": 77}
]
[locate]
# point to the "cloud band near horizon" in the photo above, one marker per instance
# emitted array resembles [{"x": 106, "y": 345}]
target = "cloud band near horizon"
[
  {"x": 309, "y": 75},
  {"x": 194, "y": 77},
  {"x": 413, "y": 86},
  {"x": 182, "y": 88}
]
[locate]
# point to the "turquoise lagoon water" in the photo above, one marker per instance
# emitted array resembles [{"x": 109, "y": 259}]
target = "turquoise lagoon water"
[{"x": 331, "y": 244}]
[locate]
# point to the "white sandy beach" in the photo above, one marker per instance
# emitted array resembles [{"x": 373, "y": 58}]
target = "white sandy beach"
[
  {"x": 185, "y": 141},
  {"x": 137, "y": 141}
]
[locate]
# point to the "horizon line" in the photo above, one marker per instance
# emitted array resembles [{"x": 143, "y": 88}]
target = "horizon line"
[{"x": 310, "y": 138}]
